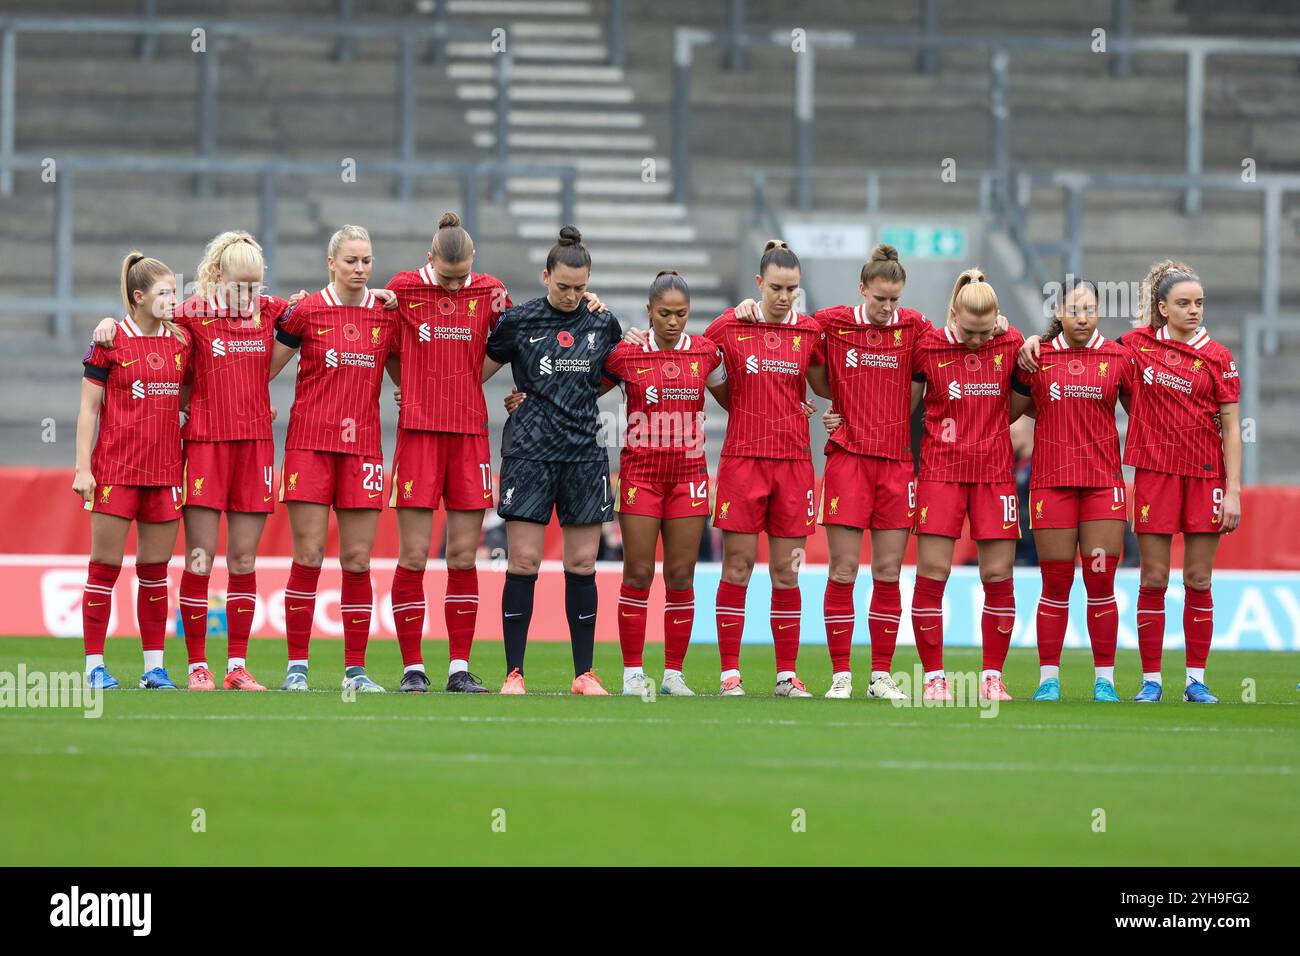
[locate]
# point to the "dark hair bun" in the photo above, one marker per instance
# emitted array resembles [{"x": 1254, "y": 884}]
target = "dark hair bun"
[
  {"x": 666, "y": 272},
  {"x": 449, "y": 220},
  {"x": 775, "y": 244},
  {"x": 884, "y": 253},
  {"x": 570, "y": 236}
]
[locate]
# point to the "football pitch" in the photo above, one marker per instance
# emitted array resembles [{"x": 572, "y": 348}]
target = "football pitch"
[{"x": 311, "y": 779}]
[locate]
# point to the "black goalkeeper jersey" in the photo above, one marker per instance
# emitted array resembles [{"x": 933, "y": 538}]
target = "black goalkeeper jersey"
[{"x": 556, "y": 359}]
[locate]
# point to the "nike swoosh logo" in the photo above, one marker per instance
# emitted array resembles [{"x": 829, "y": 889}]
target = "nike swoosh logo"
[
  {"x": 96, "y": 603},
  {"x": 1144, "y": 624},
  {"x": 586, "y": 617},
  {"x": 487, "y": 494},
  {"x": 946, "y": 364},
  {"x": 732, "y": 624},
  {"x": 1046, "y": 614},
  {"x": 891, "y": 630},
  {"x": 409, "y": 619},
  {"x": 298, "y": 608},
  {"x": 1145, "y": 349},
  {"x": 840, "y": 631},
  {"x": 642, "y": 371},
  {"x": 243, "y": 610},
  {"x": 196, "y": 617},
  {"x": 1044, "y": 368},
  {"x": 743, "y": 338},
  {"x": 209, "y": 321},
  {"x": 132, "y": 362},
  {"x": 910, "y": 513},
  {"x": 930, "y": 628},
  {"x": 786, "y": 627},
  {"x": 266, "y": 499},
  {"x": 375, "y": 494},
  {"x": 1116, "y": 507},
  {"x": 516, "y": 614},
  {"x": 163, "y": 598},
  {"x": 1004, "y": 630},
  {"x": 844, "y": 331},
  {"x": 1102, "y": 614},
  {"x": 625, "y": 614},
  {"x": 360, "y": 620},
  {"x": 323, "y": 331},
  {"x": 1008, "y": 527},
  {"x": 475, "y": 611},
  {"x": 1201, "y": 620},
  {"x": 696, "y": 504},
  {"x": 685, "y": 620},
  {"x": 535, "y": 341}
]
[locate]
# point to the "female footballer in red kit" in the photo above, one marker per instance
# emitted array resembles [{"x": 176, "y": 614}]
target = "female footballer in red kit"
[
  {"x": 333, "y": 455},
  {"x": 131, "y": 469},
  {"x": 765, "y": 476},
  {"x": 1076, "y": 492},
  {"x": 966, "y": 464}
]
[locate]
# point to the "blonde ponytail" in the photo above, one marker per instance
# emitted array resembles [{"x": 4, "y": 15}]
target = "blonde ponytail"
[
  {"x": 972, "y": 294},
  {"x": 1161, "y": 277},
  {"x": 226, "y": 254}
]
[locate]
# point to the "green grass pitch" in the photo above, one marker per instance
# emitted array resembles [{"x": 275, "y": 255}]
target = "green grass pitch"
[{"x": 397, "y": 779}]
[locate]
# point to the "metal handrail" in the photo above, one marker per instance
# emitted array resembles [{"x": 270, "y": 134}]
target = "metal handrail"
[
  {"x": 999, "y": 49},
  {"x": 63, "y": 302},
  {"x": 408, "y": 34}
]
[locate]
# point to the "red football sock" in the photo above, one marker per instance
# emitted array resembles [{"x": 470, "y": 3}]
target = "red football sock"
[
  {"x": 1053, "y": 609},
  {"x": 882, "y": 621},
  {"x": 1103, "y": 616},
  {"x": 300, "y": 609},
  {"x": 194, "y": 614},
  {"x": 786, "y": 604},
  {"x": 837, "y": 612},
  {"x": 1151, "y": 627},
  {"x": 241, "y": 605},
  {"x": 1198, "y": 624},
  {"x": 460, "y": 610},
  {"x": 407, "y": 594},
  {"x": 151, "y": 605},
  {"x": 632, "y": 610},
  {"x": 997, "y": 621},
  {"x": 355, "y": 605},
  {"x": 730, "y": 604},
  {"x": 927, "y": 621},
  {"x": 679, "y": 617},
  {"x": 97, "y": 604}
]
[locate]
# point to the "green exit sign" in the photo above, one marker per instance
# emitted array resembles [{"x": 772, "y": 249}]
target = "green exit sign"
[{"x": 926, "y": 242}]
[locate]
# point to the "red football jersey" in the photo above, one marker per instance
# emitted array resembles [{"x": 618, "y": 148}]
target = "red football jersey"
[
  {"x": 967, "y": 406},
  {"x": 139, "y": 441},
  {"x": 230, "y": 400},
  {"x": 870, "y": 372},
  {"x": 1173, "y": 422},
  {"x": 766, "y": 364},
  {"x": 444, "y": 337},
  {"x": 340, "y": 371},
  {"x": 1076, "y": 443},
  {"x": 664, "y": 395}
]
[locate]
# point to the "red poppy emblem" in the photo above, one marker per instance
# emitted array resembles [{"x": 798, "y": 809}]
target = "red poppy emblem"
[
  {"x": 671, "y": 370},
  {"x": 972, "y": 363},
  {"x": 564, "y": 338},
  {"x": 1173, "y": 359},
  {"x": 1075, "y": 367},
  {"x": 772, "y": 340},
  {"x": 351, "y": 332},
  {"x": 446, "y": 306},
  {"x": 155, "y": 360},
  {"x": 873, "y": 338}
]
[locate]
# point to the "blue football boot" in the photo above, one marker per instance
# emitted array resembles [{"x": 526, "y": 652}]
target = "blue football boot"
[
  {"x": 1103, "y": 692},
  {"x": 1049, "y": 689},
  {"x": 1149, "y": 693},
  {"x": 156, "y": 679},
  {"x": 101, "y": 679},
  {"x": 1198, "y": 693}
]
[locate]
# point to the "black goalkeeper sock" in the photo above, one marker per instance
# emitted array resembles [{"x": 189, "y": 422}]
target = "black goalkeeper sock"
[
  {"x": 516, "y": 613},
  {"x": 580, "y": 608}
]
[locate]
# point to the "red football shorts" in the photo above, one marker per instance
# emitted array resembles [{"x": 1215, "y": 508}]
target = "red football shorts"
[
  {"x": 147, "y": 503},
  {"x": 663, "y": 499},
  {"x": 1066, "y": 507},
  {"x": 862, "y": 491},
  {"x": 332, "y": 478},
  {"x": 231, "y": 475},
  {"x": 429, "y": 467},
  {"x": 765, "y": 494},
  {"x": 943, "y": 506},
  {"x": 1169, "y": 504}
]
